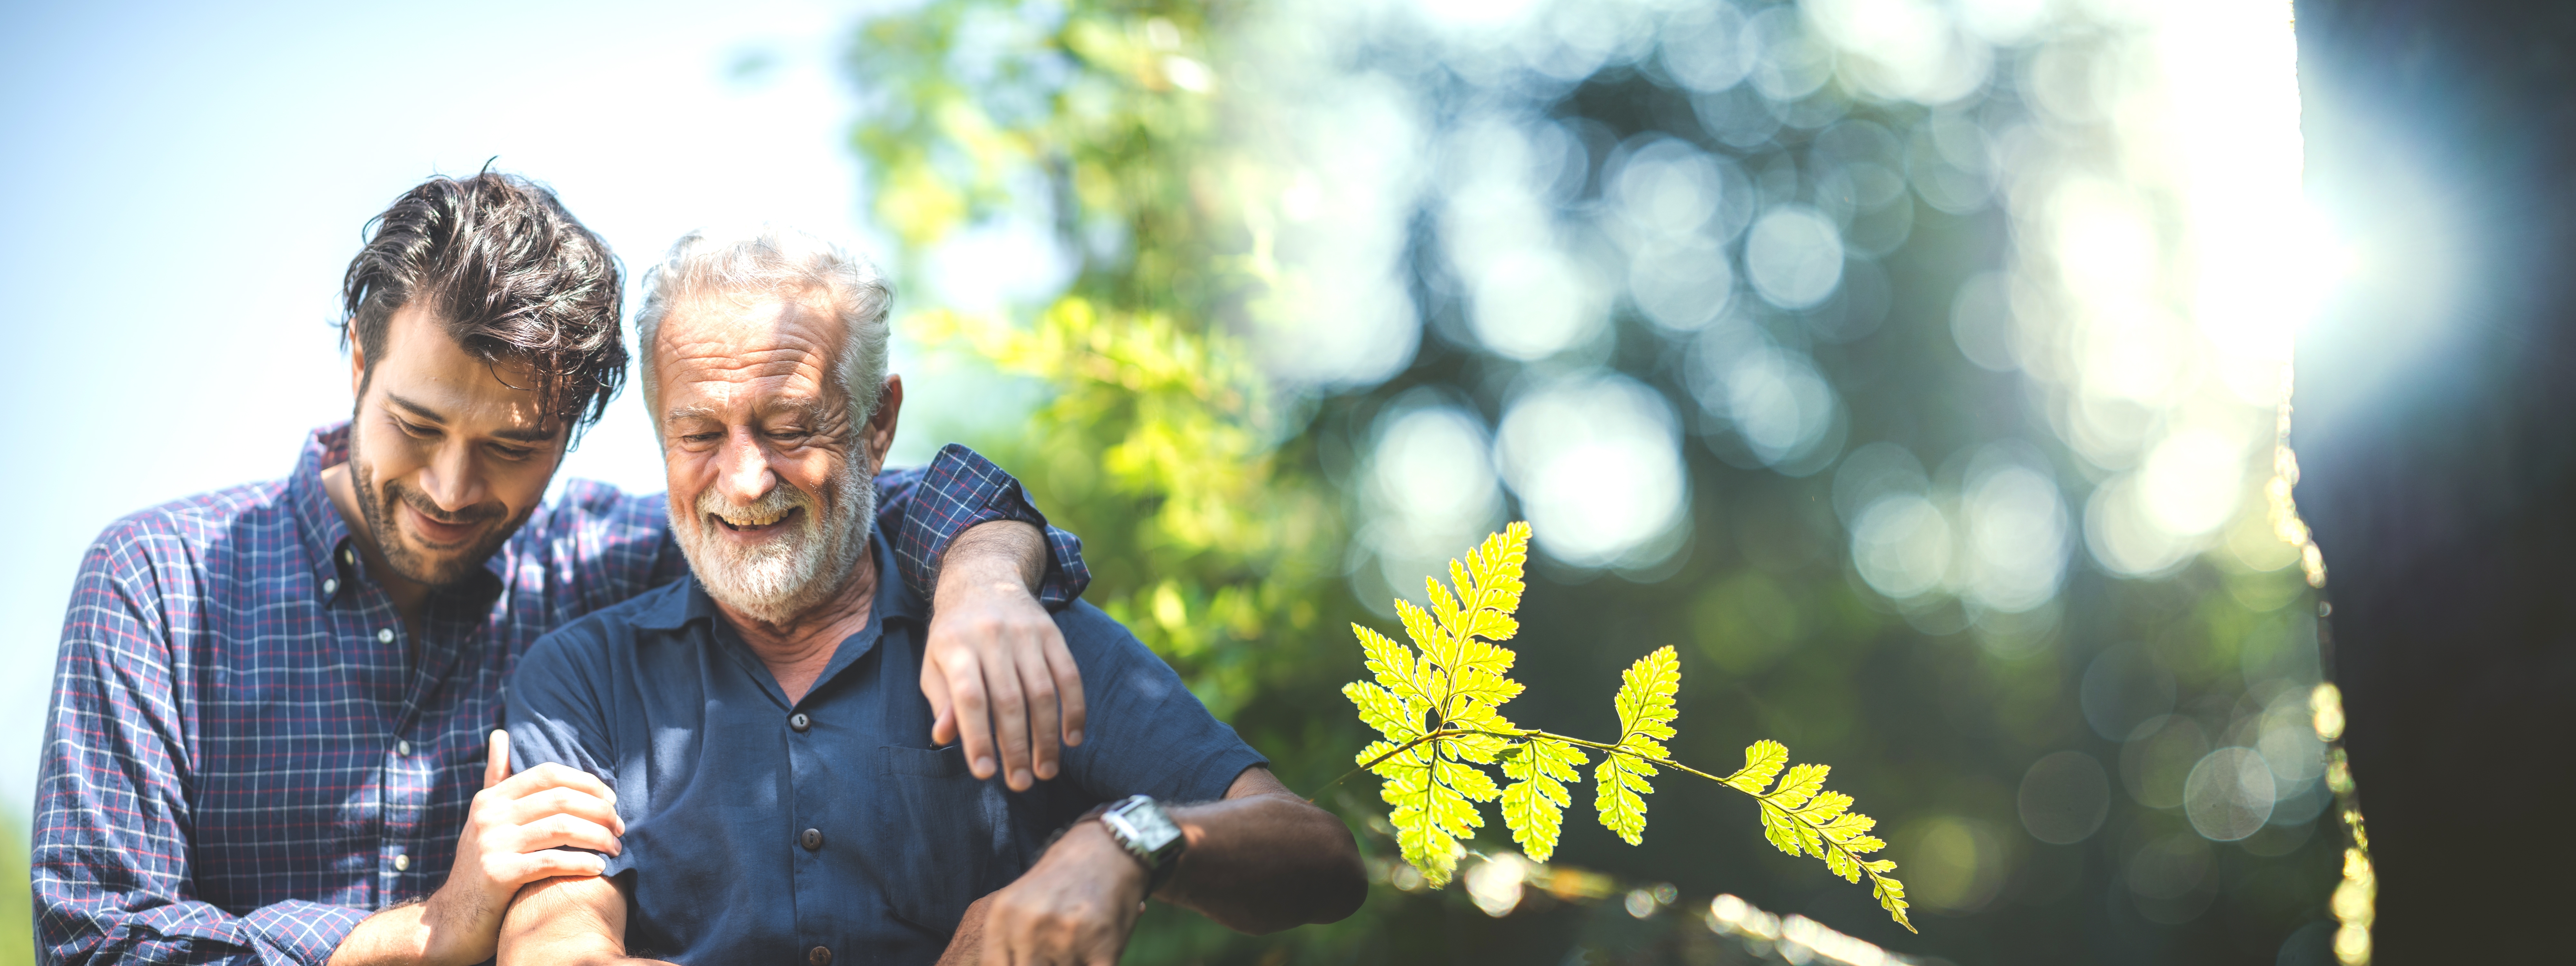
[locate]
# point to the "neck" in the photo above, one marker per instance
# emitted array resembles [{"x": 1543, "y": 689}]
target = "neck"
[
  {"x": 797, "y": 651},
  {"x": 410, "y": 597}
]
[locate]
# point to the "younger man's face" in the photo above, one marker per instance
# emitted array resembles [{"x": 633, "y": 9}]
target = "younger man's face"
[{"x": 447, "y": 454}]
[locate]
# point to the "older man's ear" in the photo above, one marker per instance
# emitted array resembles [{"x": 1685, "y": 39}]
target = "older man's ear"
[{"x": 878, "y": 434}]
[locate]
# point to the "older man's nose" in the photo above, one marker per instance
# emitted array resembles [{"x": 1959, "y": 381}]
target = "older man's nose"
[{"x": 744, "y": 470}]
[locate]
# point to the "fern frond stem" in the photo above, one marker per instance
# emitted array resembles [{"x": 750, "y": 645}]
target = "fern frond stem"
[{"x": 1392, "y": 752}]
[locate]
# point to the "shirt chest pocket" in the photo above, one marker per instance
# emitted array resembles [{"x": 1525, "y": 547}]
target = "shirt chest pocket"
[{"x": 943, "y": 838}]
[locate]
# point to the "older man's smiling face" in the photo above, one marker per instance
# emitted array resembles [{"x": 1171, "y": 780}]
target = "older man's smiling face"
[{"x": 769, "y": 466}]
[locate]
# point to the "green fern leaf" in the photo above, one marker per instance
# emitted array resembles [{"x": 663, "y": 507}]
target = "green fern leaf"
[
  {"x": 1393, "y": 665},
  {"x": 1800, "y": 784},
  {"x": 1451, "y": 678},
  {"x": 1534, "y": 803},
  {"x": 1384, "y": 711},
  {"x": 1762, "y": 760},
  {"x": 1891, "y": 897},
  {"x": 1800, "y": 817},
  {"x": 1436, "y": 703},
  {"x": 1620, "y": 797},
  {"x": 1645, "y": 700},
  {"x": 1645, "y": 705}
]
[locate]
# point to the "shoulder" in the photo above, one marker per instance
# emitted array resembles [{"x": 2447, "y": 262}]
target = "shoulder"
[
  {"x": 596, "y": 532},
  {"x": 231, "y": 525},
  {"x": 598, "y": 510},
  {"x": 597, "y": 636},
  {"x": 1111, "y": 655}
]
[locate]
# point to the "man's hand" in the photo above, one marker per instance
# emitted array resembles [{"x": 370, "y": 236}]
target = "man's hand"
[
  {"x": 994, "y": 666},
  {"x": 511, "y": 837},
  {"x": 1076, "y": 907}
]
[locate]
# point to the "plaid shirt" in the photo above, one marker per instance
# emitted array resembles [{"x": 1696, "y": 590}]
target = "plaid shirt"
[{"x": 241, "y": 760}]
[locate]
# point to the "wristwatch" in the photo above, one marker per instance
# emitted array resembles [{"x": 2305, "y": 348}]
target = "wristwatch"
[{"x": 1140, "y": 827}]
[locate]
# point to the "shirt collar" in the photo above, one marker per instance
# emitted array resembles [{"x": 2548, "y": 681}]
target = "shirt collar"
[
  {"x": 318, "y": 521},
  {"x": 894, "y": 601}
]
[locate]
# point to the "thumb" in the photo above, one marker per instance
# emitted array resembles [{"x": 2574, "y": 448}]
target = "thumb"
[
  {"x": 943, "y": 729},
  {"x": 497, "y": 767}
]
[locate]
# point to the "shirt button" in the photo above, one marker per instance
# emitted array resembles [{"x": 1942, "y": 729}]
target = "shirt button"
[
  {"x": 402, "y": 748},
  {"x": 348, "y": 556},
  {"x": 402, "y": 863},
  {"x": 799, "y": 722},
  {"x": 330, "y": 585},
  {"x": 811, "y": 839},
  {"x": 818, "y": 955},
  {"x": 385, "y": 636}
]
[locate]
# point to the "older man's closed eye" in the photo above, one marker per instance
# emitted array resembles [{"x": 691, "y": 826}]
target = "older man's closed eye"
[{"x": 784, "y": 794}]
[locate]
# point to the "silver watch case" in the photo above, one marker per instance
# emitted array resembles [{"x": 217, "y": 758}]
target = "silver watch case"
[{"x": 1140, "y": 827}]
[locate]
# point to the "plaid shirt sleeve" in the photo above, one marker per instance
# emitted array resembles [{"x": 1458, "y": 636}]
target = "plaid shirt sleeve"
[
  {"x": 109, "y": 864},
  {"x": 923, "y": 510}
]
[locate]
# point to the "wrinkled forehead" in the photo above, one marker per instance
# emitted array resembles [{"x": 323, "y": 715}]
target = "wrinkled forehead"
[{"x": 765, "y": 343}]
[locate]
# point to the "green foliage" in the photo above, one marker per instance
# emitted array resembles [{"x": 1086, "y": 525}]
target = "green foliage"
[
  {"x": 17, "y": 929},
  {"x": 1156, "y": 441},
  {"x": 1434, "y": 706}
]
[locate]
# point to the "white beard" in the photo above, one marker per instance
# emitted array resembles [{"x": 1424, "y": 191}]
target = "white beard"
[{"x": 779, "y": 579}]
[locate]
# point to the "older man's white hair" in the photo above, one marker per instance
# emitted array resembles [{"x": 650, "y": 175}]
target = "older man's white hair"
[{"x": 766, "y": 260}]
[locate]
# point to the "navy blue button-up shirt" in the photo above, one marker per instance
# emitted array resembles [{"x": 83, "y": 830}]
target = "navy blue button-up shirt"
[
  {"x": 244, "y": 758},
  {"x": 662, "y": 699}
]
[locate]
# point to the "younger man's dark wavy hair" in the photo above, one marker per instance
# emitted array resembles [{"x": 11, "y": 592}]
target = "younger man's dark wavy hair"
[{"x": 512, "y": 275}]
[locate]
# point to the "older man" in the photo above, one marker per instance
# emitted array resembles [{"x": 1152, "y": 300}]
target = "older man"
[
  {"x": 782, "y": 798},
  {"x": 268, "y": 734}
]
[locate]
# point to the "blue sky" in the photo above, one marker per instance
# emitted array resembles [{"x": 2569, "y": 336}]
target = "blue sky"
[{"x": 183, "y": 187}]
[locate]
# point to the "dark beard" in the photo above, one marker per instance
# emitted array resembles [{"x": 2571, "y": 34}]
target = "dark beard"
[{"x": 398, "y": 554}]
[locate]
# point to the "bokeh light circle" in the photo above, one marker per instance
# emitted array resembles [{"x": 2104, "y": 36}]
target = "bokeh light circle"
[
  {"x": 1794, "y": 256},
  {"x": 2229, "y": 794},
  {"x": 2064, "y": 798}
]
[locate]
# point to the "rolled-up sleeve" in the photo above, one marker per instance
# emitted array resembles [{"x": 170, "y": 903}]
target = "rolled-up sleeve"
[
  {"x": 109, "y": 864},
  {"x": 554, "y": 714},
  {"x": 924, "y": 510},
  {"x": 1151, "y": 736}
]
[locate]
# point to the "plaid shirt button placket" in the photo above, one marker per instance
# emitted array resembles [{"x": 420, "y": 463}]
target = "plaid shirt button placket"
[{"x": 225, "y": 775}]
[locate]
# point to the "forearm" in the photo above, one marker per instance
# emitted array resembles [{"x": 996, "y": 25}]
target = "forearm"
[
  {"x": 398, "y": 936},
  {"x": 566, "y": 922},
  {"x": 1265, "y": 862},
  {"x": 998, "y": 552},
  {"x": 966, "y": 945}
]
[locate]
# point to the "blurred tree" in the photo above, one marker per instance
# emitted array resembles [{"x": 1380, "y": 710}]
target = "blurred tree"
[{"x": 1158, "y": 438}]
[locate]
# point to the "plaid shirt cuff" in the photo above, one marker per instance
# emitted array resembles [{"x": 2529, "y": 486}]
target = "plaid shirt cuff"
[
  {"x": 308, "y": 932},
  {"x": 959, "y": 490}
]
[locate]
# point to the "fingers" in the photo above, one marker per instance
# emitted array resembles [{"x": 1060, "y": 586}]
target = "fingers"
[
  {"x": 1010, "y": 722},
  {"x": 969, "y": 711},
  {"x": 564, "y": 801},
  {"x": 1068, "y": 680},
  {"x": 496, "y": 765},
  {"x": 560, "y": 831},
  {"x": 539, "y": 866},
  {"x": 934, "y": 686},
  {"x": 551, "y": 775},
  {"x": 1043, "y": 710}
]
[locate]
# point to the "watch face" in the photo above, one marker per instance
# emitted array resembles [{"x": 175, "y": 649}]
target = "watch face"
[{"x": 1144, "y": 824}]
